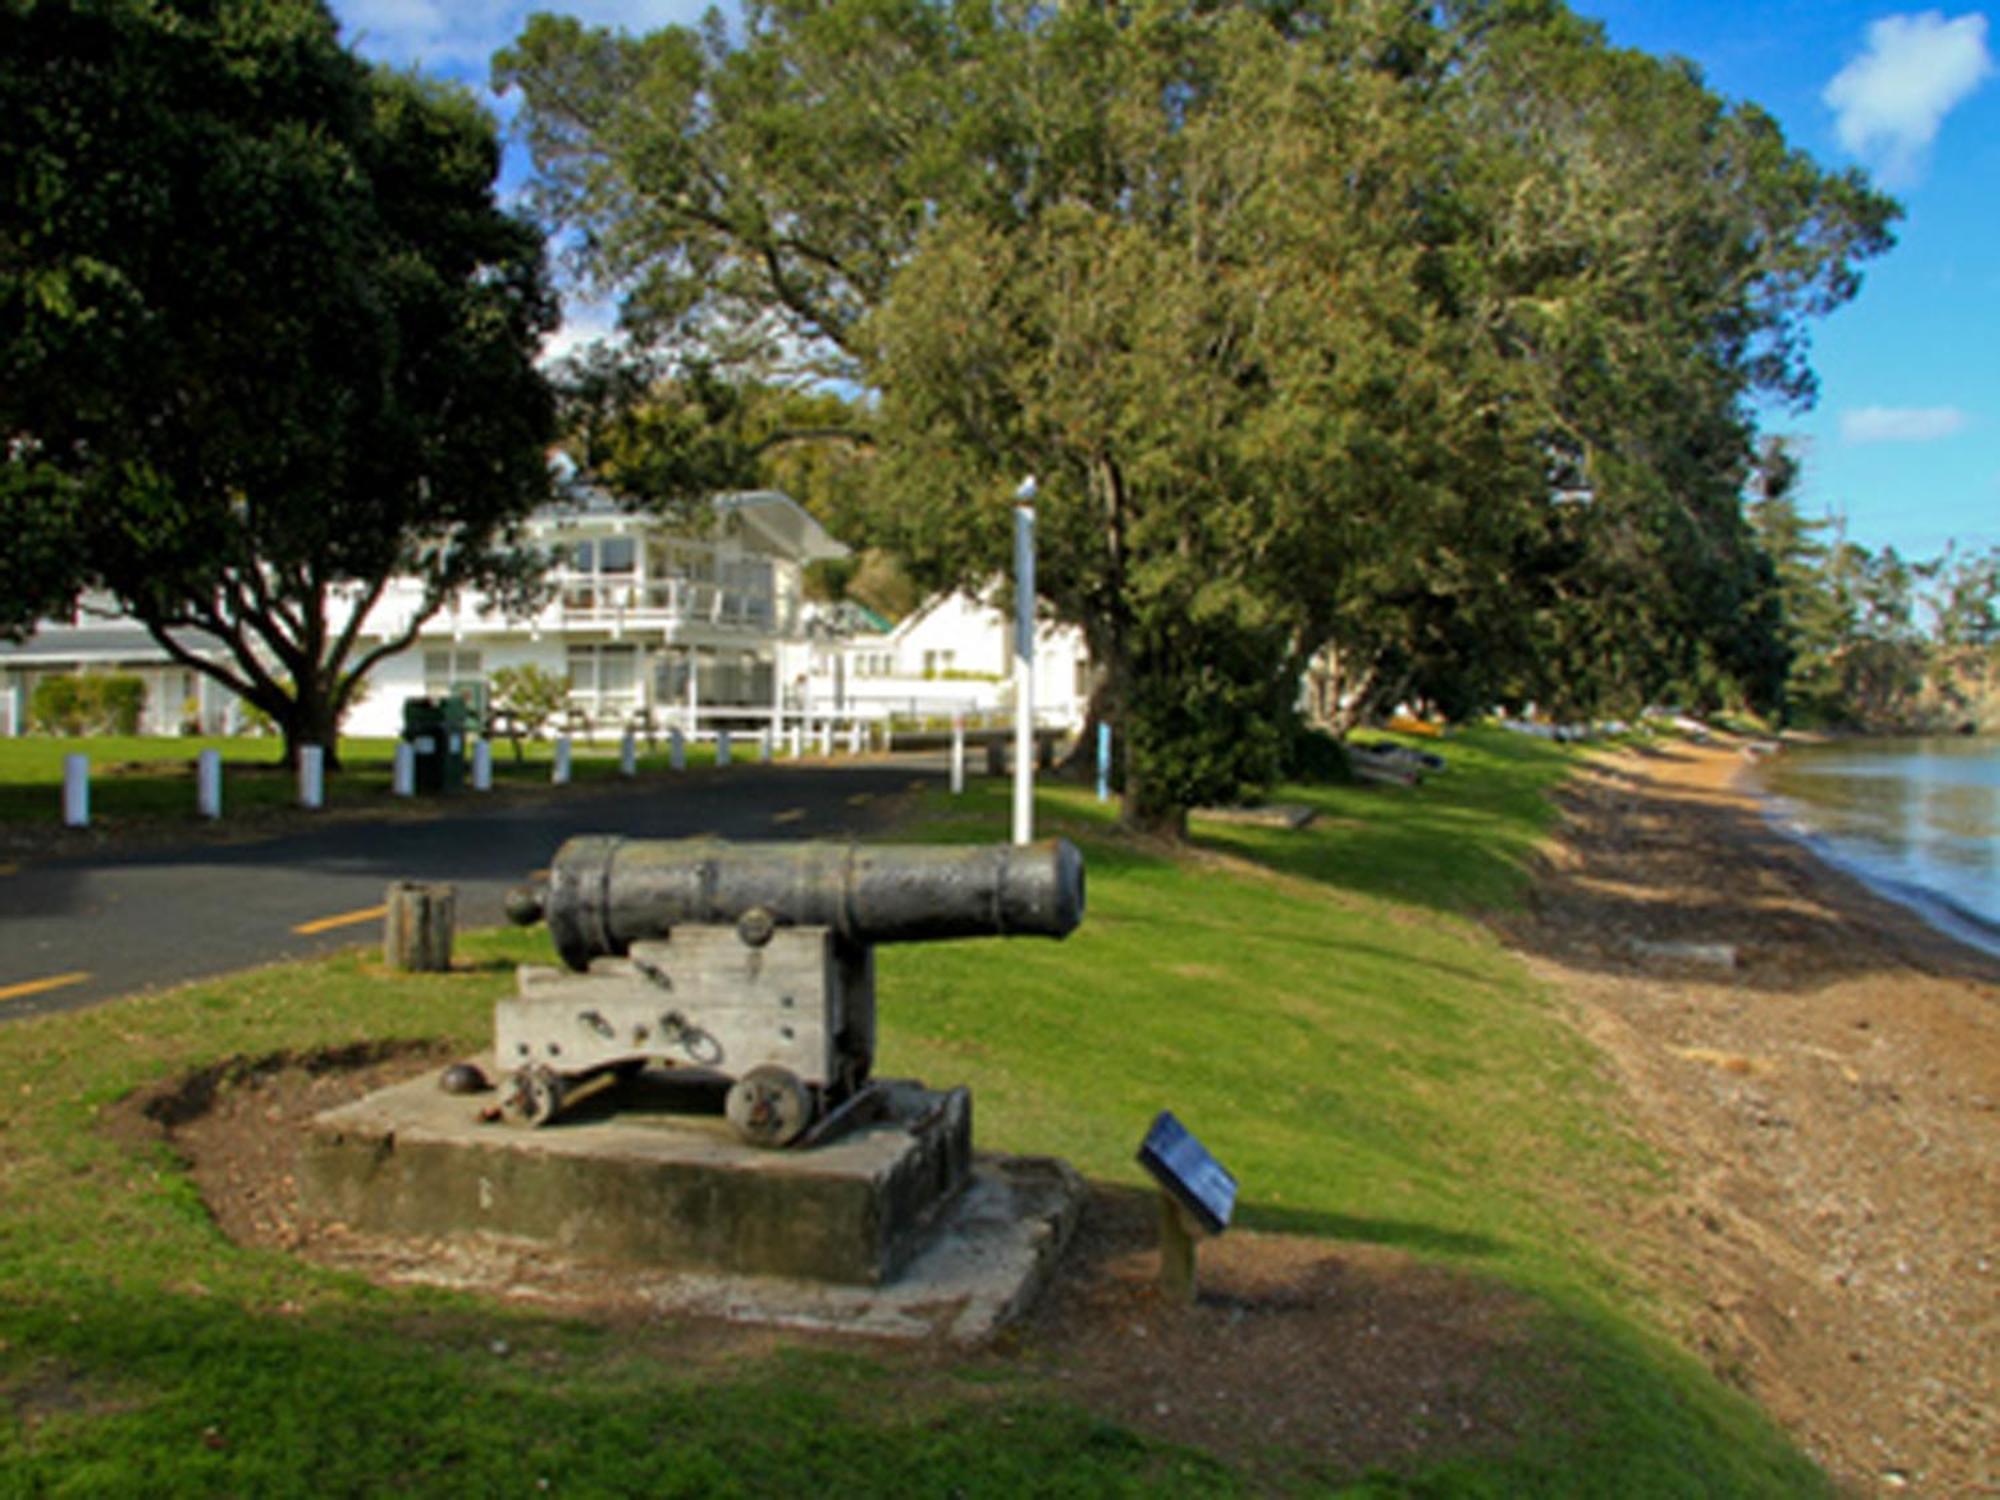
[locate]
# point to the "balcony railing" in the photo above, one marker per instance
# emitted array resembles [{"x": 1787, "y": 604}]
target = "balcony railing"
[{"x": 605, "y": 601}]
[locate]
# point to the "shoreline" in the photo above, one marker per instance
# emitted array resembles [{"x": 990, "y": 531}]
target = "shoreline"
[
  {"x": 1819, "y": 1069},
  {"x": 1937, "y": 909}
]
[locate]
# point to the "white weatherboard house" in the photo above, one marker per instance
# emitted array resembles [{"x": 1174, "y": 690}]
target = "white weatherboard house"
[
  {"x": 954, "y": 655},
  {"x": 175, "y": 695},
  {"x": 687, "y": 629}
]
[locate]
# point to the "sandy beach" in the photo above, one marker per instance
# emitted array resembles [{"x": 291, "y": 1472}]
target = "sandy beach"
[{"x": 1821, "y": 1069}]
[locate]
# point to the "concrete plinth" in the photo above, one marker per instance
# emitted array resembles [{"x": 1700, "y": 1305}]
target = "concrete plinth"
[{"x": 630, "y": 1177}]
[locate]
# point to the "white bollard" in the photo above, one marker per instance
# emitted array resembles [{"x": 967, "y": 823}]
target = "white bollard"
[
  {"x": 403, "y": 781},
  {"x": 208, "y": 783},
  {"x": 798, "y": 741},
  {"x": 957, "y": 755},
  {"x": 722, "y": 747},
  {"x": 826, "y": 738},
  {"x": 312, "y": 777},
  {"x": 854, "y": 732},
  {"x": 482, "y": 765},
  {"x": 764, "y": 745},
  {"x": 628, "y": 755},
  {"x": 677, "y": 749},
  {"x": 559, "y": 769},
  {"x": 76, "y": 790}
]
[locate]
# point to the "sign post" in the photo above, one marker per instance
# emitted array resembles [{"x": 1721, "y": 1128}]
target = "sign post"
[
  {"x": 1197, "y": 1197},
  {"x": 1024, "y": 661}
]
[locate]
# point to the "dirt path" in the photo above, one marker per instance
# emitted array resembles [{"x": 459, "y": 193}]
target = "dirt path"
[{"x": 1823, "y": 1070}]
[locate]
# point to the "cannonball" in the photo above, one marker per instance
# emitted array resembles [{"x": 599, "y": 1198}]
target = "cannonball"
[{"x": 463, "y": 1078}]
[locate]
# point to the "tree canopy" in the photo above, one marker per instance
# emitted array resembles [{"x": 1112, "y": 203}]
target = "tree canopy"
[
  {"x": 1424, "y": 332},
  {"x": 268, "y": 341}
]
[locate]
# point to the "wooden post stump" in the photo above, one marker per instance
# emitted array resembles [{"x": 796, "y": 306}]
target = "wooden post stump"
[
  {"x": 1178, "y": 1234},
  {"x": 416, "y": 931}
]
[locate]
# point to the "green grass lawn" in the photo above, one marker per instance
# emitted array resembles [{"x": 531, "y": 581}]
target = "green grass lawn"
[
  {"x": 1318, "y": 1006},
  {"x": 141, "y": 781}
]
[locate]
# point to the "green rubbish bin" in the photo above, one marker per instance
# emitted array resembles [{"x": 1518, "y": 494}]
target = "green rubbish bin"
[{"x": 435, "y": 731}]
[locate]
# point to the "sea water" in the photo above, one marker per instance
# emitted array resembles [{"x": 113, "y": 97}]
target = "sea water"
[{"x": 1917, "y": 819}]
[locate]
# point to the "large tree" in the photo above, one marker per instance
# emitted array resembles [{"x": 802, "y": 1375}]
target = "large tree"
[
  {"x": 1301, "y": 314},
  {"x": 268, "y": 340}
]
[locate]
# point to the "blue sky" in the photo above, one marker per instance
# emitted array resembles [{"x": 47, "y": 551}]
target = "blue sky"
[{"x": 1905, "y": 440}]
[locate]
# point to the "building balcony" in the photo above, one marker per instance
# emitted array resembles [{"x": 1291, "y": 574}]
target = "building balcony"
[{"x": 601, "y": 603}]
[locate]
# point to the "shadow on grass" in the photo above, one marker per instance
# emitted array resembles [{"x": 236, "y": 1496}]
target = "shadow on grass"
[
  {"x": 1401, "y": 1234},
  {"x": 130, "y": 1388},
  {"x": 1460, "y": 843},
  {"x": 125, "y": 1393}
]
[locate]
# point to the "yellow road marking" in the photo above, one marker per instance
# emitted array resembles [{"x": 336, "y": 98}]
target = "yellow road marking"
[
  {"x": 345, "y": 919},
  {"x": 789, "y": 815},
  {"x": 39, "y": 986},
  {"x": 861, "y": 799}
]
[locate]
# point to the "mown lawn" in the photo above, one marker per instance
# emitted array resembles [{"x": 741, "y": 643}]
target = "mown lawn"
[{"x": 1318, "y": 1006}]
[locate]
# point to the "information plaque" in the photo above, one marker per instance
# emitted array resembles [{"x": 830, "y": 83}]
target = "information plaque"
[{"x": 1184, "y": 1169}]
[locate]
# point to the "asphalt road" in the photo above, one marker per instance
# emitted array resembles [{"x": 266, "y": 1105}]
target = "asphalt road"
[{"x": 76, "y": 932}]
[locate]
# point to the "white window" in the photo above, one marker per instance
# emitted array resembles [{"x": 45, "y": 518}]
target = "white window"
[
  {"x": 603, "y": 671},
  {"x": 448, "y": 668}
]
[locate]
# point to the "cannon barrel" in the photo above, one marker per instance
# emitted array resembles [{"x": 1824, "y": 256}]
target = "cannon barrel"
[{"x": 605, "y": 892}]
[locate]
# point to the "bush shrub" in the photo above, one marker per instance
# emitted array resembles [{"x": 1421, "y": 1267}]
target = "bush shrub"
[
  {"x": 121, "y": 702},
  {"x": 53, "y": 706},
  {"x": 97, "y": 703}
]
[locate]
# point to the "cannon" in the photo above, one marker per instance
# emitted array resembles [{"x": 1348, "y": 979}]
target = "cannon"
[{"x": 751, "y": 961}]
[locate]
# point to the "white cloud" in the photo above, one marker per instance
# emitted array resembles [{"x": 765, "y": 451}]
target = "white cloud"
[
  {"x": 1892, "y": 424},
  {"x": 583, "y": 323},
  {"x": 1889, "y": 102}
]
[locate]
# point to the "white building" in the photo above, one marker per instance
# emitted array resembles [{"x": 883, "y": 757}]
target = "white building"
[
  {"x": 177, "y": 697},
  {"x": 641, "y": 621},
  {"x": 952, "y": 656}
]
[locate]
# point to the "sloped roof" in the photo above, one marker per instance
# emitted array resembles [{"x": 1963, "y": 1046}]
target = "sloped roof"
[
  {"x": 99, "y": 641},
  {"x": 785, "y": 525},
  {"x": 789, "y": 526}
]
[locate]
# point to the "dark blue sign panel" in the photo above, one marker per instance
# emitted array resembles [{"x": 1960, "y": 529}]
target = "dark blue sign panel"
[{"x": 1182, "y": 1165}]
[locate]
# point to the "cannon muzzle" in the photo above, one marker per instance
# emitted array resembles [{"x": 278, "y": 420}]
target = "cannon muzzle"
[{"x": 605, "y": 892}]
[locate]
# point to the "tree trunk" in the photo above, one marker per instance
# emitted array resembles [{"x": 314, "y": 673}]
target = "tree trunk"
[
  {"x": 1151, "y": 815},
  {"x": 309, "y": 719},
  {"x": 1080, "y": 765},
  {"x": 417, "y": 930},
  {"x": 1144, "y": 806}
]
